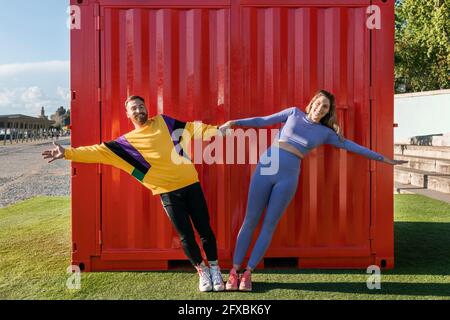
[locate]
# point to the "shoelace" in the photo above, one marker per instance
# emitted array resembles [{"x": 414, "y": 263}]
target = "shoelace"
[
  {"x": 216, "y": 275},
  {"x": 204, "y": 277},
  {"x": 233, "y": 276}
]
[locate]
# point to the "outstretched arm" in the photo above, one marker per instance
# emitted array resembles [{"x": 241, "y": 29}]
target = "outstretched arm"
[
  {"x": 258, "y": 122},
  {"x": 349, "y": 145},
  {"x": 200, "y": 130},
  {"x": 98, "y": 153},
  {"x": 393, "y": 161},
  {"x": 189, "y": 130}
]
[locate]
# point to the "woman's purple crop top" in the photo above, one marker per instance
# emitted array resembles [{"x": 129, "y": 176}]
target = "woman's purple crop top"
[{"x": 304, "y": 134}]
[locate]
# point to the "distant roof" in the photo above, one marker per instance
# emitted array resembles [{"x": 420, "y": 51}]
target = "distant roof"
[
  {"x": 24, "y": 117},
  {"x": 12, "y": 116}
]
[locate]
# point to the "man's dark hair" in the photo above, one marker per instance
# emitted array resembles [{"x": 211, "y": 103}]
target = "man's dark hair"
[{"x": 131, "y": 98}]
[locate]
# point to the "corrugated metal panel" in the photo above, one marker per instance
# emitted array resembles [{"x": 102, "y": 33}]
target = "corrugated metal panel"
[
  {"x": 287, "y": 54},
  {"x": 177, "y": 59},
  {"x": 219, "y": 60}
]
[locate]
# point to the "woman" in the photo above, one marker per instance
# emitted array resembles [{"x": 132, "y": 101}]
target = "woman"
[{"x": 300, "y": 134}]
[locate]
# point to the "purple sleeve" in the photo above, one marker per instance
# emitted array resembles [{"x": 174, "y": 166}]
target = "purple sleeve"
[
  {"x": 267, "y": 120},
  {"x": 349, "y": 145}
]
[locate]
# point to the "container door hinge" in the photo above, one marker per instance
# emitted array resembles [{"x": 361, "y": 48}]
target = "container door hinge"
[
  {"x": 372, "y": 165},
  {"x": 372, "y": 240},
  {"x": 100, "y": 237},
  {"x": 99, "y": 23}
]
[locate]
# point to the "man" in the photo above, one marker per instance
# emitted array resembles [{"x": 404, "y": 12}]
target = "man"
[{"x": 153, "y": 154}]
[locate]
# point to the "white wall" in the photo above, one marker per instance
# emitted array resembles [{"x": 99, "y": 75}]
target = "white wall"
[{"x": 421, "y": 113}]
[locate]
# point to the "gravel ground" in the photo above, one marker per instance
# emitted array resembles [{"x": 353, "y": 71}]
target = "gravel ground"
[{"x": 25, "y": 174}]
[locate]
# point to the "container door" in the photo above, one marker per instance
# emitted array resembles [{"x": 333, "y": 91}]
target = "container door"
[
  {"x": 287, "y": 52},
  {"x": 177, "y": 59}
]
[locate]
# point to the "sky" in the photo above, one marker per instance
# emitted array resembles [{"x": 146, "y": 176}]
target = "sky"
[{"x": 34, "y": 56}]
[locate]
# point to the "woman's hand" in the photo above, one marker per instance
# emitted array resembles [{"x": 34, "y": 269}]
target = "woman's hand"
[
  {"x": 394, "y": 162},
  {"x": 224, "y": 128}
]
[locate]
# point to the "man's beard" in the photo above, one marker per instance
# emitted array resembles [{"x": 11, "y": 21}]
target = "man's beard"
[{"x": 141, "y": 118}]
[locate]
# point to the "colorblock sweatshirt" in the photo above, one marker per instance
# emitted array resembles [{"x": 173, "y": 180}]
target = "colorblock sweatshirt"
[
  {"x": 302, "y": 133},
  {"x": 153, "y": 154}
]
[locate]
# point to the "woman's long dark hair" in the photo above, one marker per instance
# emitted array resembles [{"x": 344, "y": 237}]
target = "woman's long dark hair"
[{"x": 330, "y": 119}]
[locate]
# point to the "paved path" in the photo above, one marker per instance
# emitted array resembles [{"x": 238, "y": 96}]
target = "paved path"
[{"x": 24, "y": 174}]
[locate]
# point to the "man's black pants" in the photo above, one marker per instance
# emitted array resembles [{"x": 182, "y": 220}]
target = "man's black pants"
[{"x": 184, "y": 205}]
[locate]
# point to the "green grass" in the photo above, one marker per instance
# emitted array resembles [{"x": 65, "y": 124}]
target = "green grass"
[{"x": 35, "y": 253}]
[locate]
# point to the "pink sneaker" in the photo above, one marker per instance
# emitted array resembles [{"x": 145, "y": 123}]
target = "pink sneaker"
[
  {"x": 232, "y": 283},
  {"x": 246, "y": 281}
]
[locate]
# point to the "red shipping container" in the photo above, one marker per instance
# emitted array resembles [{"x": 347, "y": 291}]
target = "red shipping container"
[{"x": 213, "y": 61}]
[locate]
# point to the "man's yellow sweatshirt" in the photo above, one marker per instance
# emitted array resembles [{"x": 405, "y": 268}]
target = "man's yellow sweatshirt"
[{"x": 153, "y": 154}]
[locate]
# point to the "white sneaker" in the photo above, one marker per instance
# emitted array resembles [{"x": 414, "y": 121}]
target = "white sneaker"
[
  {"x": 205, "y": 283},
  {"x": 217, "y": 279}
]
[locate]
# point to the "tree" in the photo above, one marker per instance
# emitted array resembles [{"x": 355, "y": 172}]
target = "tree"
[
  {"x": 67, "y": 119},
  {"x": 422, "y": 45}
]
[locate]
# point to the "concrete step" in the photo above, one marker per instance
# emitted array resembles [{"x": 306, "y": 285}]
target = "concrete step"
[
  {"x": 409, "y": 189},
  {"x": 425, "y": 163},
  {"x": 422, "y": 151},
  {"x": 423, "y": 179}
]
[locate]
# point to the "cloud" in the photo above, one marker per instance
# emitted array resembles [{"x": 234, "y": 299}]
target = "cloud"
[
  {"x": 17, "y": 69},
  {"x": 32, "y": 94},
  {"x": 63, "y": 93},
  {"x": 6, "y": 97},
  {"x": 29, "y": 101},
  {"x": 33, "y": 99},
  {"x": 27, "y": 87}
]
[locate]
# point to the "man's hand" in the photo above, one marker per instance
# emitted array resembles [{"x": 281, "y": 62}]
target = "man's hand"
[
  {"x": 394, "y": 162},
  {"x": 54, "y": 154},
  {"x": 224, "y": 128}
]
